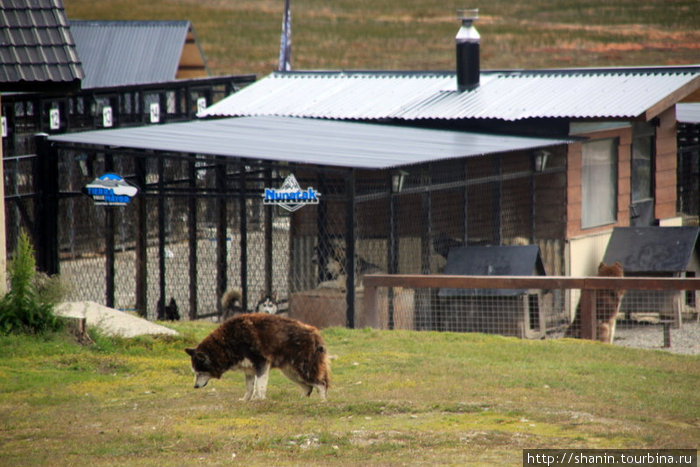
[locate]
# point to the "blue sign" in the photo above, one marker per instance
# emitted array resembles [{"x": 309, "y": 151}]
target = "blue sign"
[
  {"x": 110, "y": 190},
  {"x": 290, "y": 196}
]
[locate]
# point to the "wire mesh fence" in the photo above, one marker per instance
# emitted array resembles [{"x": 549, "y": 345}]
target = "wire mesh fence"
[
  {"x": 545, "y": 307},
  {"x": 201, "y": 227}
]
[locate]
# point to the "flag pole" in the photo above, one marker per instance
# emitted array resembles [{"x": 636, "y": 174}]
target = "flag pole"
[{"x": 285, "y": 61}]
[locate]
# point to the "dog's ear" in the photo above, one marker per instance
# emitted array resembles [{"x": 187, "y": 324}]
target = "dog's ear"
[{"x": 190, "y": 352}]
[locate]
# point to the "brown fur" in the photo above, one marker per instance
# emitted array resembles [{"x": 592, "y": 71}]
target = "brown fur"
[
  {"x": 607, "y": 306},
  {"x": 255, "y": 343}
]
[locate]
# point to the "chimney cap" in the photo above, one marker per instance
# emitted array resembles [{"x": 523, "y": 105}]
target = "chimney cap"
[{"x": 468, "y": 14}]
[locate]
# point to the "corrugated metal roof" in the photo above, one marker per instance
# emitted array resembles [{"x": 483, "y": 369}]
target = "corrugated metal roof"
[
  {"x": 37, "y": 52},
  {"x": 308, "y": 141},
  {"x": 688, "y": 113},
  {"x": 122, "y": 53},
  {"x": 503, "y": 95}
]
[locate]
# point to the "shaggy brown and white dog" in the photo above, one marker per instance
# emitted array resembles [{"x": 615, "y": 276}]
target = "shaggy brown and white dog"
[
  {"x": 255, "y": 343},
  {"x": 607, "y": 307}
]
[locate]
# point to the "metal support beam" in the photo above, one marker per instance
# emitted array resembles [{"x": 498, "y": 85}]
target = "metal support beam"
[
  {"x": 221, "y": 233},
  {"x": 45, "y": 236},
  {"x": 141, "y": 266},
  {"x": 243, "y": 225},
  {"x": 350, "y": 248},
  {"x": 192, "y": 238}
]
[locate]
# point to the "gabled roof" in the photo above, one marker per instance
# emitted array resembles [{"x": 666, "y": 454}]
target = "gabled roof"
[
  {"x": 308, "y": 141},
  {"x": 37, "y": 52},
  {"x": 624, "y": 93},
  {"x": 122, "y": 53}
]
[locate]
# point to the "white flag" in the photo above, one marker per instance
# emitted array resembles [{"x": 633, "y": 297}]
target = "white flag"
[{"x": 286, "y": 40}]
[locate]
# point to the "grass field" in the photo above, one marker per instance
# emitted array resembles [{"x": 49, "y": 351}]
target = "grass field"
[
  {"x": 242, "y": 36},
  {"x": 397, "y": 398}
]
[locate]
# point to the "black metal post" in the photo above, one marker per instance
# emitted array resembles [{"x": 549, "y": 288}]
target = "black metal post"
[
  {"x": 161, "y": 237},
  {"x": 192, "y": 238},
  {"x": 268, "y": 237},
  {"x": 141, "y": 265},
  {"x": 221, "y": 232},
  {"x": 350, "y": 248},
  {"x": 109, "y": 243},
  {"x": 243, "y": 234},
  {"x": 45, "y": 236},
  {"x": 392, "y": 247},
  {"x": 109, "y": 256}
]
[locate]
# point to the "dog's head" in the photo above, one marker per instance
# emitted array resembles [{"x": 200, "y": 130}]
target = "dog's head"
[
  {"x": 267, "y": 304},
  {"x": 202, "y": 368},
  {"x": 614, "y": 270}
]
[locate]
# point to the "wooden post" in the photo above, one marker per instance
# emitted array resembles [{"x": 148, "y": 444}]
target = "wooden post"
[
  {"x": 371, "y": 307},
  {"x": 588, "y": 321}
]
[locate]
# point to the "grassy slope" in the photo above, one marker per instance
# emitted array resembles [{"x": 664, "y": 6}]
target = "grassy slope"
[
  {"x": 398, "y": 397},
  {"x": 242, "y": 36}
]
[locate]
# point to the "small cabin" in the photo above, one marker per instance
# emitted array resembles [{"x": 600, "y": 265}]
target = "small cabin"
[{"x": 510, "y": 312}]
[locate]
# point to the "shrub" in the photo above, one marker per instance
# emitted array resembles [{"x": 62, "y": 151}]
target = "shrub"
[{"x": 28, "y": 306}]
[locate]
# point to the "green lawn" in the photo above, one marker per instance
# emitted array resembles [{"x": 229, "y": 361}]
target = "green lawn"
[
  {"x": 242, "y": 36},
  {"x": 397, "y": 398}
]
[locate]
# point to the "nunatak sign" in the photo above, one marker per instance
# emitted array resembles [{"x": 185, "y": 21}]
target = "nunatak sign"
[
  {"x": 110, "y": 190},
  {"x": 290, "y": 196}
]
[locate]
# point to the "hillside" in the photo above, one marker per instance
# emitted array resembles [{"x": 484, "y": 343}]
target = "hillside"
[{"x": 243, "y": 36}]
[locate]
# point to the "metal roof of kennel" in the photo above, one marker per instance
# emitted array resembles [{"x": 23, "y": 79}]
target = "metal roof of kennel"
[
  {"x": 605, "y": 93},
  {"x": 122, "y": 53},
  {"x": 308, "y": 141}
]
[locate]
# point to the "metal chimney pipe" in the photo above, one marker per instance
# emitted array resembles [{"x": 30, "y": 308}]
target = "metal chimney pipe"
[{"x": 468, "y": 40}]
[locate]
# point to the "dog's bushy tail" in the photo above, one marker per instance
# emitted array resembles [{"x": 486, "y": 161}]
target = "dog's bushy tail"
[{"x": 231, "y": 302}]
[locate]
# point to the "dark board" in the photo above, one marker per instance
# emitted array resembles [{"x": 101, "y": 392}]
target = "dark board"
[
  {"x": 492, "y": 261},
  {"x": 652, "y": 249}
]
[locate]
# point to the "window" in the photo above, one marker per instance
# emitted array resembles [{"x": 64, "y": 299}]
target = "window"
[
  {"x": 642, "y": 151},
  {"x": 599, "y": 183}
]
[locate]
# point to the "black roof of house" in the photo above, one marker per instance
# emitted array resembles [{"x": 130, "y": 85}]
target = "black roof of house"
[{"x": 37, "y": 51}]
